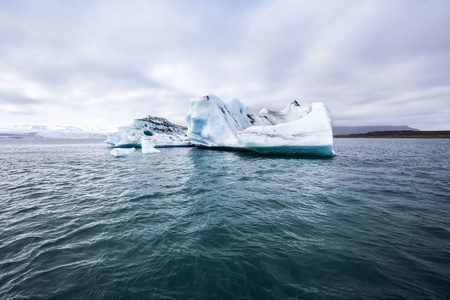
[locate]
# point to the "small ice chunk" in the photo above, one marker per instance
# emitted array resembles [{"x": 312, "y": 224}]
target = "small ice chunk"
[
  {"x": 122, "y": 151},
  {"x": 147, "y": 147}
]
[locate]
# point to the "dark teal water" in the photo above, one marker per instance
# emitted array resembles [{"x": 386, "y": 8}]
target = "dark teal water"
[{"x": 371, "y": 223}]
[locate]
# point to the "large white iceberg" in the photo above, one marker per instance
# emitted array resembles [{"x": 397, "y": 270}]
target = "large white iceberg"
[
  {"x": 158, "y": 132},
  {"x": 298, "y": 129}
]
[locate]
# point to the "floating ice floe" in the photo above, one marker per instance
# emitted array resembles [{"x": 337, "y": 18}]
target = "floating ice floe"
[
  {"x": 296, "y": 130},
  {"x": 157, "y": 131},
  {"x": 122, "y": 151},
  {"x": 147, "y": 147}
]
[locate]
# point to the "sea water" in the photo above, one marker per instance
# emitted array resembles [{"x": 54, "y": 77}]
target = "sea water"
[{"x": 373, "y": 222}]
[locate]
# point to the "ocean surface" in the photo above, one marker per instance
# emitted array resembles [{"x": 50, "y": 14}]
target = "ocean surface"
[{"x": 373, "y": 222}]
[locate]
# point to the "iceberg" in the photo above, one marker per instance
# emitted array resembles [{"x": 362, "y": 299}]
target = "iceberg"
[
  {"x": 296, "y": 130},
  {"x": 117, "y": 152},
  {"x": 158, "y": 132},
  {"x": 299, "y": 129}
]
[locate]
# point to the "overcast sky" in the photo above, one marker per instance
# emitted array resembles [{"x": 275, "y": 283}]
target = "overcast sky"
[{"x": 104, "y": 63}]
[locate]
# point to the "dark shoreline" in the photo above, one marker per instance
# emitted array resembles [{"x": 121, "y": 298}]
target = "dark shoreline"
[{"x": 410, "y": 134}]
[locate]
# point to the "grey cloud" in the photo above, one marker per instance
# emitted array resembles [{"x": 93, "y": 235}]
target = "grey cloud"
[
  {"x": 365, "y": 60},
  {"x": 16, "y": 99},
  {"x": 16, "y": 104}
]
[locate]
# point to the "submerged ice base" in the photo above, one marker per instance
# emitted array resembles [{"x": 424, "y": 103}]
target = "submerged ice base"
[
  {"x": 296, "y": 130},
  {"x": 295, "y": 150}
]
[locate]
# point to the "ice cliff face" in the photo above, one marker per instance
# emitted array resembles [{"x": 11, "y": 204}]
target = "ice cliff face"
[
  {"x": 214, "y": 123},
  {"x": 158, "y": 132},
  {"x": 297, "y": 129}
]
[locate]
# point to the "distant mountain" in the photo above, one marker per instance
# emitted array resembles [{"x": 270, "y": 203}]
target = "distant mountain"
[
  {"x": 346, "y": 130},
  {"x": 28, "y": 127},
  {"x": 19, "y": 136},
  {"x": 408, "y": 134},
  {"x": 49, "y": 132}
]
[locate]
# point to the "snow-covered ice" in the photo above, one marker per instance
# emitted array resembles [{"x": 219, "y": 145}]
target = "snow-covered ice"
[
  {"x": 50, "y": 132},
  {"x": 122, "y": 151},
  {"x": 297, "y": 129},
  {"x": 310, "y": 134}
]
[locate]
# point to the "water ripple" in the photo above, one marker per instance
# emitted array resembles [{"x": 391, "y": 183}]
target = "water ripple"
[{"x": 192, "y": 223}]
